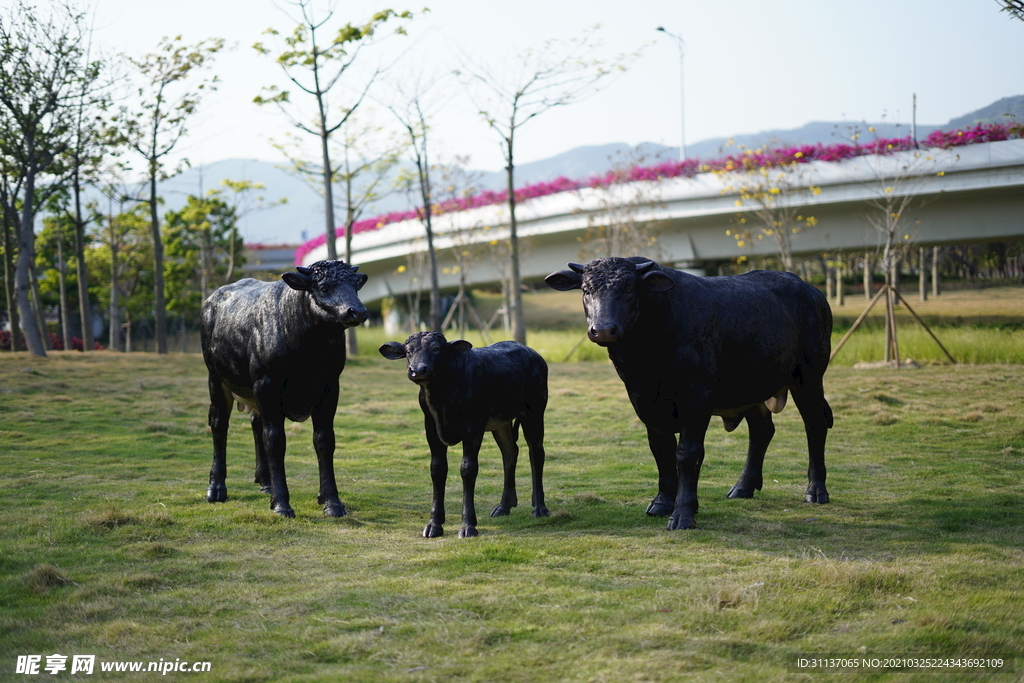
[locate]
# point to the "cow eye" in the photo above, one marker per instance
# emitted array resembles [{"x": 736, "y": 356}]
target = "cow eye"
[{"x": 435, "y": 348}]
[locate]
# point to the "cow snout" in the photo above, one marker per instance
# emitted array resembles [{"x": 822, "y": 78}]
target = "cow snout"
[
  {"x": 419, "y": 373},
  {"x": 606, "y": 333},
  {"x": 354, "y": 316}
]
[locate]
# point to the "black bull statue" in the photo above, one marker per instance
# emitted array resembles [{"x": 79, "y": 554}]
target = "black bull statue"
[{"x": 689, "y": 347}]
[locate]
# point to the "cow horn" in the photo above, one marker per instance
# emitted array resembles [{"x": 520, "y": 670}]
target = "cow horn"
[
  {"x": 304, "y": 271},
  {"x": 576, "y": 268},
  {"x": 355, "y": 269},
  {"x": 642, "y": 268}
]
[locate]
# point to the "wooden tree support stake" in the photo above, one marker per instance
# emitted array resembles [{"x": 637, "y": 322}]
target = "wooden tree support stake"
[{"x": 891, "y": 319}]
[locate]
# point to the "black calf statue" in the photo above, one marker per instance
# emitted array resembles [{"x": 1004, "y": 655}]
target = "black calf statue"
[{"x": 465, "y": 392}]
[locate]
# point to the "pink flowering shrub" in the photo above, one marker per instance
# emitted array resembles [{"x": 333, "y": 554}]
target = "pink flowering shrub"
[{"x": 688, "y": 168}]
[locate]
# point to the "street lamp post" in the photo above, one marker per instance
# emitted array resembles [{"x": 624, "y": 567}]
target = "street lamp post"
[{"x": 682, "y": 93}]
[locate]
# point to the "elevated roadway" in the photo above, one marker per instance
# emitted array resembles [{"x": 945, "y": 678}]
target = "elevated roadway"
[{"x": 973, "y": 193}]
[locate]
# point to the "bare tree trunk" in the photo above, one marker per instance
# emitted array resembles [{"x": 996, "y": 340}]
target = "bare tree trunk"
[
  {"x": 351, "y": 338},
  {"x": 158, "y": 269},
  {"x": 26, "y": 239},
  {"x": 935, "y": 271},
  {"x": 922, "y": 275},
  {"x": 332, "y": 248},
  {"x": 115, "y": 309},
  {"x": 37, "y": 307},
  {"x": 840, "y": 294},
  {"x": 867, "y": 275},
  {"x": 62, "y": 283},
  {"x": 516, "y": 298},
  {"x": 12, "y": 307},
  {"x": 84, "y": 306}
]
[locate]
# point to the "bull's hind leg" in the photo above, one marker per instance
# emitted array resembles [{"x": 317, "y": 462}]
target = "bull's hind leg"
[
  {"x": 505, "y": 437},
  {"x": 220, "y": 414},
  {"x": 262, "y": 476},
  {"x": 762, "y": 429},
  {"x": 533, "y": 431},
  {"x": 817, "y": 417}
]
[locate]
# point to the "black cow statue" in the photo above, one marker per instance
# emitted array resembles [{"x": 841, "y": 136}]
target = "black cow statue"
[
  {"x": 278, "y": 349},
  {"x": 465, "y": 392},
  {"x": 689, "y": 347}
]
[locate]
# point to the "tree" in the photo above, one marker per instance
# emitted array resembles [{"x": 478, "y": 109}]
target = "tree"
[
  {"x": 367, "y": 158},
  {"x": 1015, "y": 8},
  {"x": 412, "y": 117},
  {"x": 155, "y": 127},
  {"x": 118, "y": 264},
  {"x": 201, "y": 241},
  {"x": 556, "y": 74},
  {"x": 773, "y": 191},
  {"x": 53, "y": 246},
  {"x": 316, "y": 70},
  {"x": 621, "y": 222},
  {"x": 91, "y": 140},
  {"x": 9, "y": 190},
  {"x": 43, "y": 72}
]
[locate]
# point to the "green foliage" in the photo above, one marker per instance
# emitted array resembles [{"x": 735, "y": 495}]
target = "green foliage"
[
  {"x": 126, "y": 237},
  {"x": 204, "y": 251},
  {"x": 109, "y": 547}
]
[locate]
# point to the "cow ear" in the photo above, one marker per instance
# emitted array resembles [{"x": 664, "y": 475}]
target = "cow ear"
[
  {"x": 459, "y": 346},
  {"x": 657, "y": 281},
  {"x": 361, "y": 280},
  {"x": 392, "y": 350},
  {"x": 564, "y": 280},
  {"x": 298, "y": 281}
]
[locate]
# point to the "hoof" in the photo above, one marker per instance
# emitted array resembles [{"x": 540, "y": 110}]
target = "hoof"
[
  {"x": 500, "y": 511},
  {"x": 680, "y": 522},
  {"x": 284, "y": 512},
  {"x": 816, "y": 493},
  {"x": 468, "y": 532},
  {"x": 541, "y": 512},
  {"x": 737, "y": 492},
  {"x": 217, "y": 493},
  {"x": 433, "y": 530},
  {"x": 335, "y": 510},
  {"x": 661, "y": 506}
]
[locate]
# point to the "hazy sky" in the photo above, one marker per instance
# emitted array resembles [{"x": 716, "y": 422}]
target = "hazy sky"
[{"x": 750, "y": 65}]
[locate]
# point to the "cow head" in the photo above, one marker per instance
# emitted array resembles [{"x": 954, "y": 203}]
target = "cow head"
[
  {"x": 332, "y": 287},
  {"x": 612, "y": 288},
  {"x": 424, "y": 352}
]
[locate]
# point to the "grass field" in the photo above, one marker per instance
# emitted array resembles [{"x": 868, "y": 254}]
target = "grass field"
[{"x": 109, "y": 548}]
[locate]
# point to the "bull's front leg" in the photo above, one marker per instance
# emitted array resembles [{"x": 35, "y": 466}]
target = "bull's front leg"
[
  {"x": 689, "y": 458},
  {"x": 663, "y": 448},
  {"x": 220, "y": 414},
  {"x": 274, "y": 444},
  {"x": 324, "y": 445},
  {"x": 470, "y": 467},
  {"x": 438, "y": 476}
]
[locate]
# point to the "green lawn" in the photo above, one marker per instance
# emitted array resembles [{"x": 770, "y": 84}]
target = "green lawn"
[{"x": 109, "y": 548}]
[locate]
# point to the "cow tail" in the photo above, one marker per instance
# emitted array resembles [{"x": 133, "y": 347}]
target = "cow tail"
[{"x": 515, "y": 430}]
